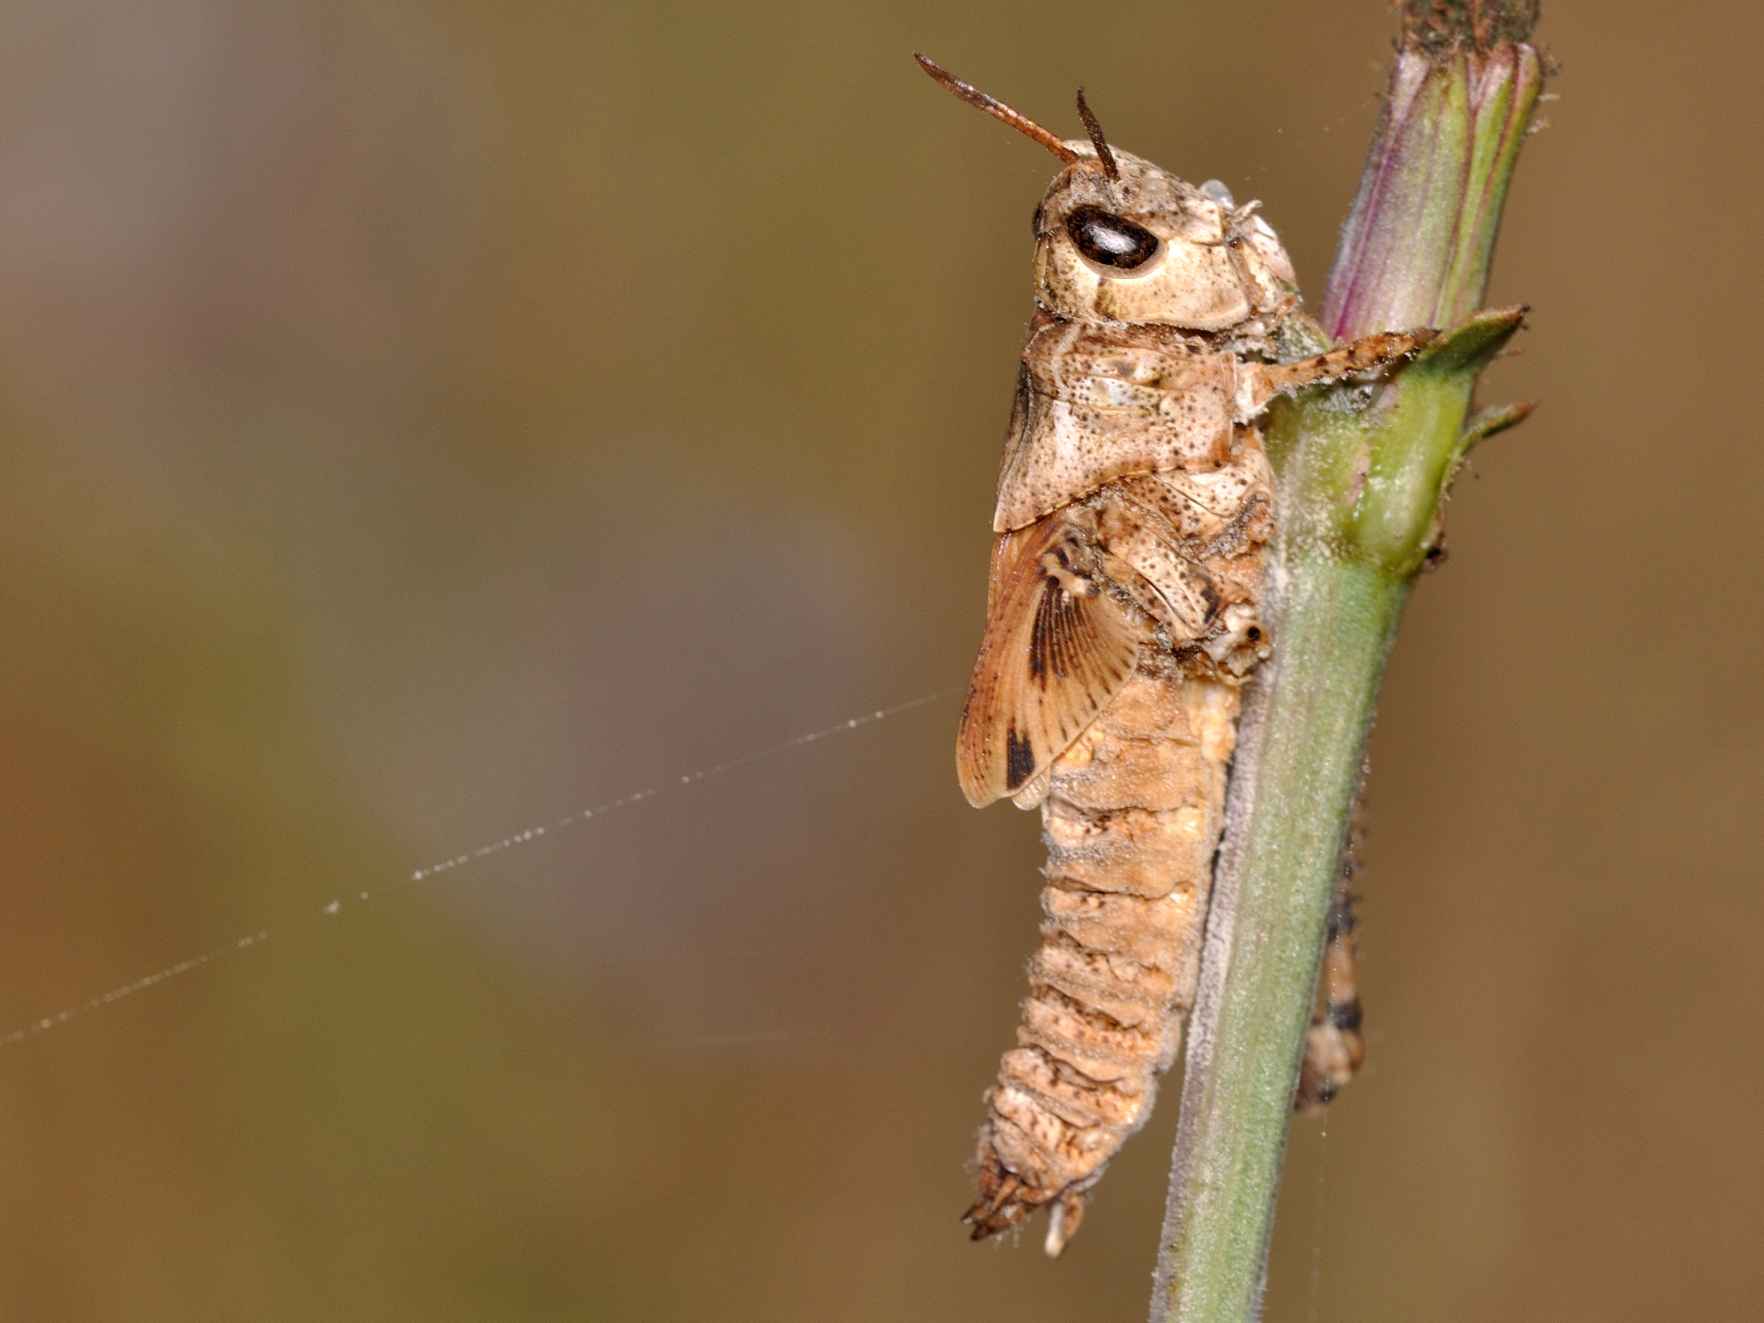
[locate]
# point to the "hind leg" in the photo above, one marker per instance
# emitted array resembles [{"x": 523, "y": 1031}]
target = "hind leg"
[{"x": 1334, "y": 1045}]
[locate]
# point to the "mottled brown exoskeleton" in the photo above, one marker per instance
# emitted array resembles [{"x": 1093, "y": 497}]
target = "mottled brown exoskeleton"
[{"x": 1123, "y": 613}]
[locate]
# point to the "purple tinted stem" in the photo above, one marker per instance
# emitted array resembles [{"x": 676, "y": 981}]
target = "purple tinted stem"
[{"x": 1417, "y": 246}]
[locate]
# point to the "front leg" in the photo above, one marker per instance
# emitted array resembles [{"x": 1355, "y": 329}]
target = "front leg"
[{"x": 1259, "y": 383}]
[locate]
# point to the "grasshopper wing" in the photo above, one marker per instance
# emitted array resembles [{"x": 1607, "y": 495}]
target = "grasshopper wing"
[{"x": 1058, "y": 646}]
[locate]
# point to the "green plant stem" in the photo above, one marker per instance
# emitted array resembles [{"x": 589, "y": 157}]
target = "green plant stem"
[
  {"x": 1362, "y": 474},
  {"x": 1275, "y": 881},
  {"x": 1360, "y": 483}
]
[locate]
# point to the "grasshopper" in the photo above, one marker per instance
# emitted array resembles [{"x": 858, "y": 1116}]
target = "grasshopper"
[{"x": 1134, "y": 508}]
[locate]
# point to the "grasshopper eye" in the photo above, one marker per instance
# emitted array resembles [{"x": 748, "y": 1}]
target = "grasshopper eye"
[{"x": 1109, "y": 240}]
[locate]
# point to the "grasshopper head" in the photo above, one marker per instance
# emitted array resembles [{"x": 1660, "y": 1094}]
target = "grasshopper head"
[
  {"x": 1140, "y": 245},
  {"x": 1118, "y": 239}
]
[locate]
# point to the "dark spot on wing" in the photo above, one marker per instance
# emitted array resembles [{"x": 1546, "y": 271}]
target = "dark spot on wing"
[{"x": 1019, "y": 759}]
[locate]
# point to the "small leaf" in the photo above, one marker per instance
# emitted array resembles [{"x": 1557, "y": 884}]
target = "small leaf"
[
  {"x": 1470, "y": 345},
  {"x": 1492, "y": 421}
]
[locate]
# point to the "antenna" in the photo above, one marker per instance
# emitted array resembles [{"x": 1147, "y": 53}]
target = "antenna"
[
  {"x": 1094, "y": 129},
  {"x": 1015, "y": 118}
]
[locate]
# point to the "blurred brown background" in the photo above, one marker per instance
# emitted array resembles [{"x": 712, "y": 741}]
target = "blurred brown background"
[{"x": 422, "y": 421}]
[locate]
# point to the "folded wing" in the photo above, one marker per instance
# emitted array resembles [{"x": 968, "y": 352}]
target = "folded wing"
[{"x": 1058, "y": 646}]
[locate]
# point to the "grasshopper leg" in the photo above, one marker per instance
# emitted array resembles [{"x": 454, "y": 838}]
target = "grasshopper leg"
[{"x": 1334, "y": 1045}]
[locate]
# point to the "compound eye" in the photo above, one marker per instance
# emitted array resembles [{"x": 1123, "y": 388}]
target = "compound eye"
[{"x": 1109, "y": 240}]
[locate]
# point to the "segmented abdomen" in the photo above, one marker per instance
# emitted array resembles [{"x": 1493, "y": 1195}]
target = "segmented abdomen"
[{"x": 1131, "y": 819}]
